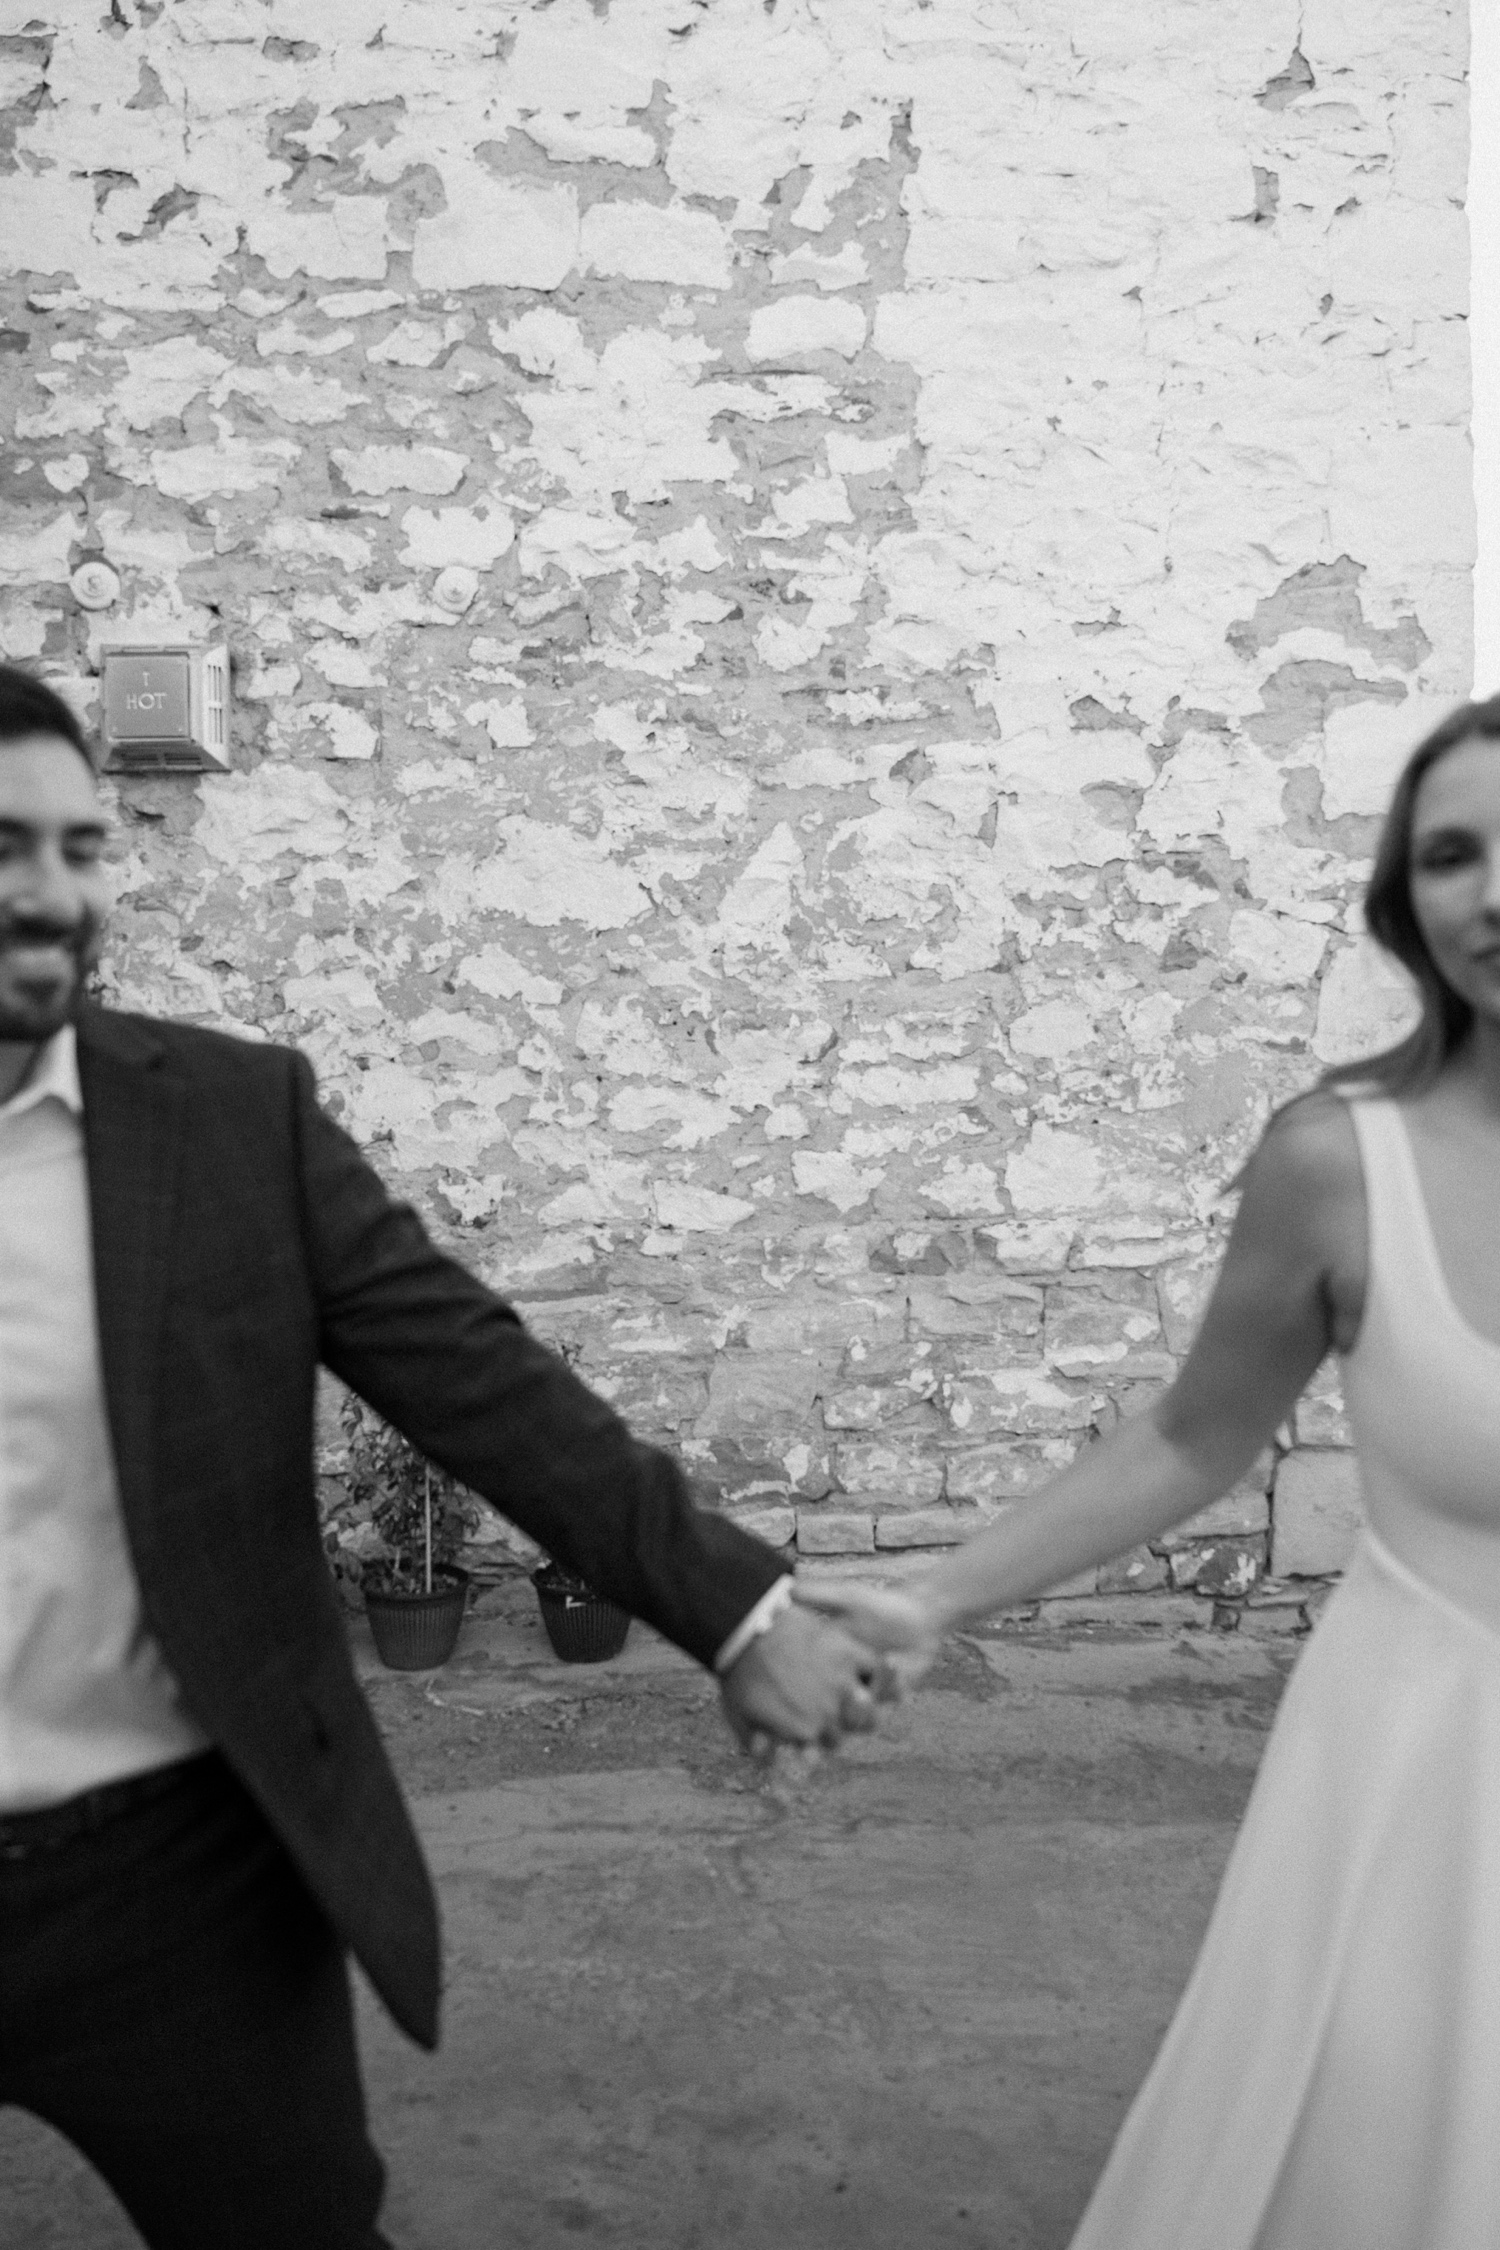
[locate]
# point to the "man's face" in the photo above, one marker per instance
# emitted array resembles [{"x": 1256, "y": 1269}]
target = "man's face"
[{"x": 53, "y": 894}]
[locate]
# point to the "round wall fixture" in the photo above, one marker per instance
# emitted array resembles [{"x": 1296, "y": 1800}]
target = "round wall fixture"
[
  {"x": 95, "y": 585},
  {"x": 453, "y": 589}
]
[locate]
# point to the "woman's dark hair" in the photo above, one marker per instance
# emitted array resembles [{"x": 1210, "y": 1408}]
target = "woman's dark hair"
[
  {"x": 1446, "y": 1019},
  {"x": 29, "y": 706}
]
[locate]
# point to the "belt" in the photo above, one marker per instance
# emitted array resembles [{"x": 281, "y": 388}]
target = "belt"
[{"x": 22, "y": 1833}]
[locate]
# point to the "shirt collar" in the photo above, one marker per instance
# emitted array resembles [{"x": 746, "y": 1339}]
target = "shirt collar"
[{"x": 54, "y": 1074}]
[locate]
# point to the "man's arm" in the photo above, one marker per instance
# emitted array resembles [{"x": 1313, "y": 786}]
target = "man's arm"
[{"x": 446, "y": 1361}]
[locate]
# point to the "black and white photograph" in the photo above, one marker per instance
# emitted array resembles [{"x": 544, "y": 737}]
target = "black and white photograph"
[{"x": 749, "y": 1125}]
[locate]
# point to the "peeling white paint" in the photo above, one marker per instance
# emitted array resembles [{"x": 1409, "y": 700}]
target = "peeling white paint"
[
  {"x": 504, "y": 978},
  {"x": 511, "y": 234},
  {"x": 1275, "y": 948},
  {"x": 1365, "y": 746},
  {"x": 341, "y": 732},
  {"x": 834, "y": 1177},
  {"x": 436, "y": 538},
  {"x": 1053, "y": 1028},
  {"x": 545, "y": 875},
  {"x": 758, "y": 905},
  {"x": 160, "y": 379},
  {"x": 413, "y": 343},
  {"x": 635, "y": 419},
  {"x": 335, "y": 245},
  {"x": 796, "y": 326},
  {"x": 37, "y": 554},
  {"x": 205, "y": 472},
  {"x": 695, "y": 1210},
  {"x": 1365, "y": 1002},
  {"x": 504, "y": 721},
  {"x": 820, "y": 617},
  {"x": 646, "y": 242},
  {"x": 258, "y": 816},
  {"x": 1057, "y": 1170},
  {"x": 400, "y": 468}
]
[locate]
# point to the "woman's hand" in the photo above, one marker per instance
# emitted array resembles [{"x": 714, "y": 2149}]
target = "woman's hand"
[
  {"x": 890, "y": 1621},
  {"x": 806, "y": 1681}
]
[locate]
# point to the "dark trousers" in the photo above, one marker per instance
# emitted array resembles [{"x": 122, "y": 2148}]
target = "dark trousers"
[{"x": 174, "y": 2003}]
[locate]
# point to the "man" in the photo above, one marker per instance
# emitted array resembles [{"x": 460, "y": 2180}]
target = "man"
[{"x": 196, "y": 1815}]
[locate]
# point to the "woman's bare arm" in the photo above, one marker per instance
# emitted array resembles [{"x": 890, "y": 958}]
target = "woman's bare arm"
[{"x": 1281, "y": 1298}]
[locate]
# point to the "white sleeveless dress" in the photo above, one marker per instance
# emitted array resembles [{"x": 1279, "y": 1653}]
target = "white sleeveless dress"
[{"x": 1331, "y": 2080}]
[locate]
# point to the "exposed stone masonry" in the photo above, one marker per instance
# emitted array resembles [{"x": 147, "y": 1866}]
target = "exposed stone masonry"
[{"x": 823, "y": 600}]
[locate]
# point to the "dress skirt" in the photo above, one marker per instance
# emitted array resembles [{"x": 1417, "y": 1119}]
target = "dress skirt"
[{"x": 1331, "y": 2080}]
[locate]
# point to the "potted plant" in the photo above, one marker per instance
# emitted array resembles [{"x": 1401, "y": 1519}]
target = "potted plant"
[
  {"x": 397, "y": 1535},
  {"x": 582, "y": 1626}
]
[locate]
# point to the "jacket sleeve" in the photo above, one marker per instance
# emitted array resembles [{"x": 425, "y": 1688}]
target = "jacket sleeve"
[{"x": 450, "y": 1364}]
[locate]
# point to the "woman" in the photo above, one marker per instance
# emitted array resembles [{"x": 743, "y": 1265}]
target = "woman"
[{"x": 1331, "y": 2080}]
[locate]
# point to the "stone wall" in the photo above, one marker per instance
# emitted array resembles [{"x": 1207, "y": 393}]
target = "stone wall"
[{"x": 823, "y": 601}]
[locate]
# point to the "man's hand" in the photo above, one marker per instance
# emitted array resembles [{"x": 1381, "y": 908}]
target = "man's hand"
[
  {"x": 894, "y": 1621},
  {"x": 804, "y": 1681}
]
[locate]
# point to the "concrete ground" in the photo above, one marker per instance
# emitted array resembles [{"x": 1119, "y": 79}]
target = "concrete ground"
[{"x": 901, "y": 2001}]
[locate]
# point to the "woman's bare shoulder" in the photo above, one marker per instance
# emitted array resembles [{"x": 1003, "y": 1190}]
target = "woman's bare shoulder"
[
  {"x": 1306, "y": 1184},
  {"x": 1313, "y": 1140},
  {"x": 1306, "y": 1171}
]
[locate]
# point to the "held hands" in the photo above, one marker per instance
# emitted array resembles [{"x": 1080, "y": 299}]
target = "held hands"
[
  {"x": 806, "y": 1681},
  {"x": 891, "y": 1622}
]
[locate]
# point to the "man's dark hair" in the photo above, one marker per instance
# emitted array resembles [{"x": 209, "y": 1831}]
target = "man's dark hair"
[{"x": 29, "y": 706}]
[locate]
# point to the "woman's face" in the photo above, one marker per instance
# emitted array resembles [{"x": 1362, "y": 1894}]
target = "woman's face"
[{"x": 1455, "y": 870}]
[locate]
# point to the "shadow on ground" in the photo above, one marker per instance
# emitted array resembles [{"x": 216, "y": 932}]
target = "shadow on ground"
[{"x": 689, "y": 2008}]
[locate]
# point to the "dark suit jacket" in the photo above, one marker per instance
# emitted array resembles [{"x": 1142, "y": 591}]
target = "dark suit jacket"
[{"x": 239, "y": 1239}]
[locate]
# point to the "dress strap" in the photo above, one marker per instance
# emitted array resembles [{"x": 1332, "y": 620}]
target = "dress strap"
[{"x": 1403, "y": 1259}]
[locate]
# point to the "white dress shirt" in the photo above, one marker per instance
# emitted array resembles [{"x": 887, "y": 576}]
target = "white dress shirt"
[{"x": 85, "y": 1696}]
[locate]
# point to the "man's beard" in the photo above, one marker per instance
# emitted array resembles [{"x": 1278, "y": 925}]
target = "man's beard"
[{"x": 34, "y": 1007}]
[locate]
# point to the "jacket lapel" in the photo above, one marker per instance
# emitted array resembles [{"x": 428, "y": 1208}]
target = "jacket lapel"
[{"x": 132, "y": 1119}]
